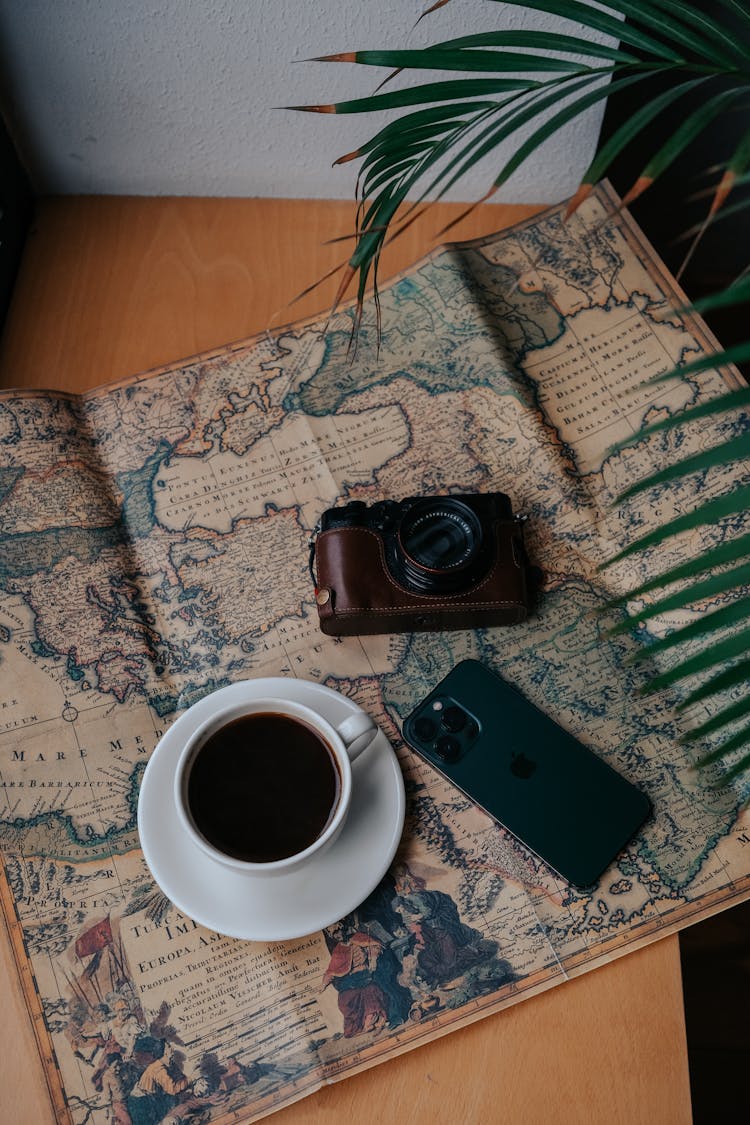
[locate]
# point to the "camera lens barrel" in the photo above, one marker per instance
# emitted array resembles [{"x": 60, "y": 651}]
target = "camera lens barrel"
[{"x": 439, "y": 545}]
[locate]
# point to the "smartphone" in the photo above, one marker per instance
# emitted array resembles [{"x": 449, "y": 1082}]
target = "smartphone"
[{"x": 556, "y": 796}]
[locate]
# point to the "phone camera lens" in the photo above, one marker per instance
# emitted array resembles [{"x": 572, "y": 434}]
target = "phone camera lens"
[
  {"x": 424, "y": 729},
  {"x": 454, "y": 719},
  {"x": 447, "y": 748}
]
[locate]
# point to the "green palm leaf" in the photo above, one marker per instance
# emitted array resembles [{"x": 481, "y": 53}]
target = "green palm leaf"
[
  {"x": 736, "y": 294},
  {"x": 708, "y": 27},
  {"x": 733, "y": 450},
  {"x": 598, "y": 20},
  {"x": 654, "y": 14},
  {"x": 632, "y": 127},
  {"x": 515, "y": 119},
  {"x": 431, "y": 58},
  {"x": 717, "y": 654},
  {"x": 732, "y": 401},
  {"x": 429, "y": 124},
  {"x": 700, "y": 591},
  {"x": 540, "y": 41},
  {"x": 712, "y": 511},
  {"x": 720, "y": 193},
  {"x": 512, "y": 118},
  {"x": 718, "y": 721},
  {"x": 535, "y": 84},
  {"x": 742, "y": 738},
  {"x": 737, "y": 8},
  {"x": 691, "y": 128},
  {"x": 729, "y": 551},
  {"x": 726, "y": 617},
  {"x": 424, "y": 95},
  {"x": 556, "y": 122},
  {"x": 737, "y": 674},
  {"x": 713, "y": 42}
]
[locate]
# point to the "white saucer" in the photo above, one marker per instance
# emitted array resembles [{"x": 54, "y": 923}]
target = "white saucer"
[{"x": 273, "y": 908}]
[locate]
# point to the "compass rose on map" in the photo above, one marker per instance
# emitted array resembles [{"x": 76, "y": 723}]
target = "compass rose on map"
[{"x": 69, "y": 713}]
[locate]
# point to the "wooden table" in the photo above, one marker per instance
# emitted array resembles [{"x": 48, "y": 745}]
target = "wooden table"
[{"x": 112, "y": 286}]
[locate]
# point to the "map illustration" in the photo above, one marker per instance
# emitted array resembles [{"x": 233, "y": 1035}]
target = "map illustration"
[{"x": 153, "y": 548}]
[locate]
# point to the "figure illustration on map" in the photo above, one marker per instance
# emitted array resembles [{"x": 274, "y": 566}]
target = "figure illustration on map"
[
  {"x": 118, "y": 1033},
  {"x": 115, "y": 1085},
  {"x": 405, "y": 954},
  {"x": 159, "y": 1086},
  {"x": 445, "y": 947},
  {"x": 223, "y": 1077},
  {"x": 352, "y": 972},
  {"x": 136, "y": 1069},
  {"x": 376, "y": 920}
]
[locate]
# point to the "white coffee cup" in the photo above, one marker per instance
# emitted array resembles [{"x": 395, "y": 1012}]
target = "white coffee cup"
[{"x": 346, "y": 742}]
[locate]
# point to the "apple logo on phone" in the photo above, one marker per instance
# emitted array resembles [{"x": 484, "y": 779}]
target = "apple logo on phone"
[{"x": 521, "y": 766}]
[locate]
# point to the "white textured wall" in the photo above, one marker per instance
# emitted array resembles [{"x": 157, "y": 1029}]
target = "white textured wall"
[{"x": 178, "y": 96}]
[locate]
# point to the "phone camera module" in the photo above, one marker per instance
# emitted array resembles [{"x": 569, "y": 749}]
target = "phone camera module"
[
  {"x": 425, "y": 729},
  {"x": 448, "y": 748},
  {"x": 454, "y": 719}
]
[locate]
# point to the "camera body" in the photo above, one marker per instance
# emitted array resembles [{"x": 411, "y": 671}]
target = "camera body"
[{"x": 423, "y": 563}]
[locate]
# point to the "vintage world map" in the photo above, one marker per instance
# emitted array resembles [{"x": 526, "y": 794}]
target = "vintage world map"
[{"x": 153, "y": 547}]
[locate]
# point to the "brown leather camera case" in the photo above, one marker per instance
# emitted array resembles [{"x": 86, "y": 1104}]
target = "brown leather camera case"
[{"x": 357, "y": 594}]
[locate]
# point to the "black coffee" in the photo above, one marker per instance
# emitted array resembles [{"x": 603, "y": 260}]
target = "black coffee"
[{"x": 263, "y": 787}]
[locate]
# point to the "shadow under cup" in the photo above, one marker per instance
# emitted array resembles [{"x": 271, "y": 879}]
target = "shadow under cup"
[{"x": 262, "y": 787}]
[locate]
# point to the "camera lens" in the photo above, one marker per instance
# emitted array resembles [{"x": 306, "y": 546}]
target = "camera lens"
[
  {"x": 454, "y": 719},
  {"x": 424, "y": 729},
  {"x": 447, "y": 748},
  {"x": 439, "y": 540}
]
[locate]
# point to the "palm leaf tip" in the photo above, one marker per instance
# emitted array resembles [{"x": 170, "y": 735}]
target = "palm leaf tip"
[
  {"x": 349, "y": 273},
  {"x": 638, "y": 188},
  {"x": 313, "y": 108},
  {"x": 433, "y": 8},
  {"x": 340, "y": 56},
  {"x": 725, "y": 186},
  {"x": 583, "y": 192}
]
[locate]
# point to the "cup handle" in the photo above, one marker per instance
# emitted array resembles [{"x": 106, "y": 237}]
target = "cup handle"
[{"x": 357, "y": 732}]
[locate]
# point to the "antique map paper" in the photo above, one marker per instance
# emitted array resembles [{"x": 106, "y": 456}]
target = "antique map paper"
[{"x": 153, "y": 547}]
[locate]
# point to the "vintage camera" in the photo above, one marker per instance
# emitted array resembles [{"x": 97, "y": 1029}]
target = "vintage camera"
[{"x": 427, "y": 562}]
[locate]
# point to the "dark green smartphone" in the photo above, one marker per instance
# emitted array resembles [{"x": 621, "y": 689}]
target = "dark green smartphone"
[{"x": 561, "y": 801}]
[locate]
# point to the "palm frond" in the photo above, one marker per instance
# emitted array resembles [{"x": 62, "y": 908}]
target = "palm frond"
[
  {"x": 682, "y": 137},
  {"x": 742, "y": 738},
  {"x": 736, "y": 294},
  {"x": 698, "y": 591},
  {"x": 724, "y": 681},
  {"x": 598, "y": 20},
  {"x": 521, "y": 87},
  {"x": 728, "y": 552},
  {"x": 630, "y": 129},
  {"x": 540, "y": 41},
  {"x": 711, "y": 657},
  {"x": 667, "y": 18},
  {"x": 720, "y": 508},
  {"x": 735, "y": 449},
  {"x": 432, "y": 58},
  {"x": 726, "y": 617},
  {"x": 666, "y": 34},
  {"x": 723, "y": 719}
]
